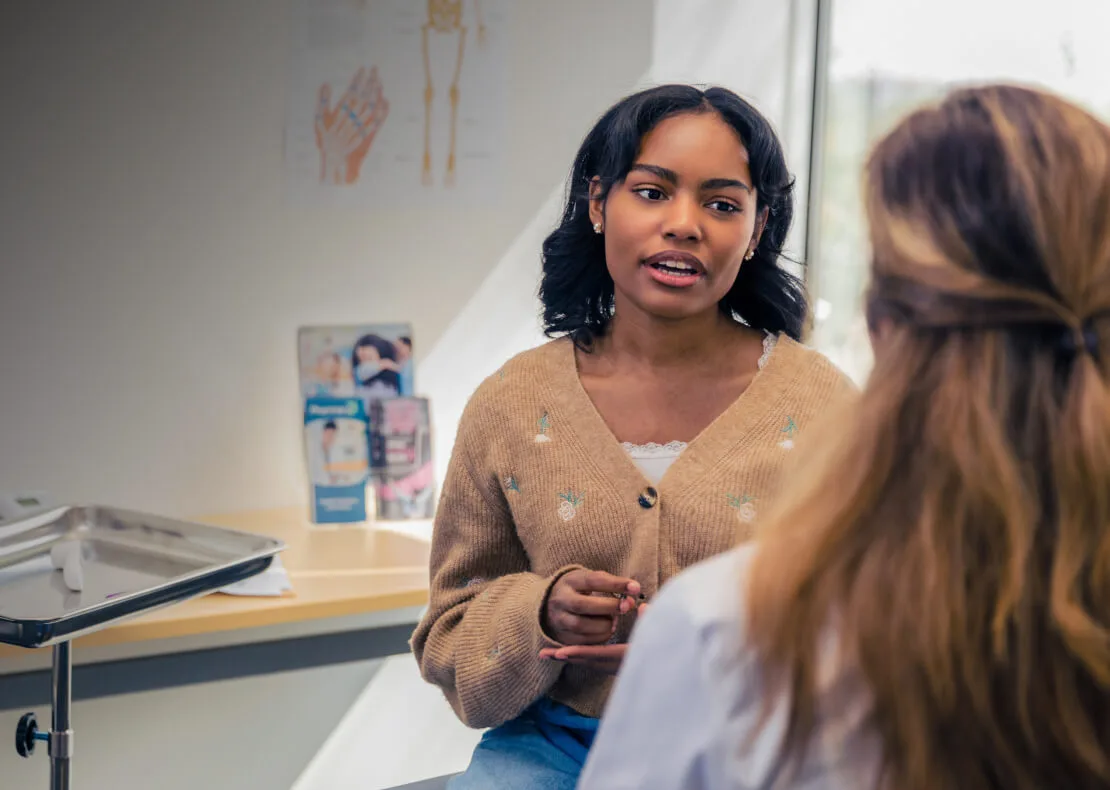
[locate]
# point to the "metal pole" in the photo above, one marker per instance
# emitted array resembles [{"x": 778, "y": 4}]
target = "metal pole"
[{"x": 61, "y": 736}]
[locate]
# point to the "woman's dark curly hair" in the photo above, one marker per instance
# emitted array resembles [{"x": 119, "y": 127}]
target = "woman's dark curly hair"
[{"x": 576, "y": 289}]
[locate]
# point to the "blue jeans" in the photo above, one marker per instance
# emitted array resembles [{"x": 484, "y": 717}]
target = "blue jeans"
[{"x": 542, "y": 749}]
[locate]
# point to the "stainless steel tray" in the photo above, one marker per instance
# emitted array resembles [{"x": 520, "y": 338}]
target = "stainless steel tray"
[{"x": 131, "y": 563}]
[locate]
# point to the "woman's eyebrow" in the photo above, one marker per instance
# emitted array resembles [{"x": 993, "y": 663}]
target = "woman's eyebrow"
[
  {"x": 660, "y": 172},
  {"x": 724, "y": 183},
  {"x": 671, "y": 177}
]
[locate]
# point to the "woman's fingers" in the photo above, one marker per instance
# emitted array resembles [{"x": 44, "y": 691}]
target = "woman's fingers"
[
  {"x": 602, "y": 582},
  {"x": 584, "y": 606},
  {"x": 576, "y": 629},
  {"x": 604, "y": 658},
  {"x": 594, "y": 605},
  {"x": 590, "y": 652}
]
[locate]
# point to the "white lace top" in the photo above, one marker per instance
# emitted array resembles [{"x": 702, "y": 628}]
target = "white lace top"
[{"x": 655, "y": 459}]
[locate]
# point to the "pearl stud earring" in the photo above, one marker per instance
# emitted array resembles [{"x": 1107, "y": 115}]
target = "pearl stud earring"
[{"x": 597, "y": 227}]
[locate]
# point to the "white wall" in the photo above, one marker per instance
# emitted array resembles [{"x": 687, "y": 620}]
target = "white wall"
[
  {"x": 252, "y": 734},
  {"x": 152, "y": 274},
  {"x": 152, "y": 278}
]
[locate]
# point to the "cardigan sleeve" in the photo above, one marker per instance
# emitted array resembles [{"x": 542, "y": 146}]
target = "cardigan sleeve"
[{"x": 480, "y": 639}]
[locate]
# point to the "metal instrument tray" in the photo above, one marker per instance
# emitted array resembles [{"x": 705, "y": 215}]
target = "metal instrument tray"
[{"x": 131, "y": 562}]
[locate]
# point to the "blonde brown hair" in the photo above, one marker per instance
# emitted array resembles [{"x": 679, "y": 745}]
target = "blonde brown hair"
[{"x": 955, "y": 537}]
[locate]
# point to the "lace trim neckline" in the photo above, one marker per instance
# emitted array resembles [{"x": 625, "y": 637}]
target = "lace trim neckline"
[
  {"x": 769, "y": 341},
  {"x": 670, "y": 449},
  {"x": 653, "y": 450}
]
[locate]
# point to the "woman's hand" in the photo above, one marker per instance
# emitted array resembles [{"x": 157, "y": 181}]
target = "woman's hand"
[
  {"x": 604, "y": 658},
  {"x": 583, "y": 606}
]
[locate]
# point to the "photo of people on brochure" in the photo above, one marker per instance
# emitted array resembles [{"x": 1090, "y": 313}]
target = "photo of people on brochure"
[{"x": 370, "y": 361}]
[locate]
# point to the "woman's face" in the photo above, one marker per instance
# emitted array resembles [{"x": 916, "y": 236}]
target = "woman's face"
[
  {"x": 329, "y": 366},
  {"x": 679, "y": 225},
  {"x": 368, "y": 354}
]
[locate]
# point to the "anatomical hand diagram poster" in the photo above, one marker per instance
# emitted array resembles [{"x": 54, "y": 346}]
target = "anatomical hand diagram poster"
[{"x": 395, "y": 102}]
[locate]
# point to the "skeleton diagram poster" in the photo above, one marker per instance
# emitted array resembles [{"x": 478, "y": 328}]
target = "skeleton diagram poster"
[{"x": 395, "y": 102}]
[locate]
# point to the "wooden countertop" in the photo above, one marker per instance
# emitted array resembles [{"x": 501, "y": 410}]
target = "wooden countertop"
[{"x": 336, "y": 571}]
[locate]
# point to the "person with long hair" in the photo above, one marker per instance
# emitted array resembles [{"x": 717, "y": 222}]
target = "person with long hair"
[
  {"x": 375, "y": 367},
  {"x": 930, "y": 607},
  {"x": 589, "y": 470}
]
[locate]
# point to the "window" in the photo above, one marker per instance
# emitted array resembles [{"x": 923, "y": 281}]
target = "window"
[{"x": 886, "y": 58}]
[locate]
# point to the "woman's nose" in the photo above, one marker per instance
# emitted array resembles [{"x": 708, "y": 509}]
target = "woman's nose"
[{"x": 681, "y": 221}]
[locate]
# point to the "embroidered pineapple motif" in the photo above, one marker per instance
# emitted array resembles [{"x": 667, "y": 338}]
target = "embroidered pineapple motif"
[
  {"x": 511, "y": 484},
  {"x": 545, "y": 424},
  {"x": 791, "y": 431},
  {"x": 744, "y": 505},
  {"x": 568, "y": 504}
]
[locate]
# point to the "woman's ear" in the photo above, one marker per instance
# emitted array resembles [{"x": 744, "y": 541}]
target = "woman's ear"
[
  {"x": 760, "y": 226},
  {"x": 597, "y": 203}
]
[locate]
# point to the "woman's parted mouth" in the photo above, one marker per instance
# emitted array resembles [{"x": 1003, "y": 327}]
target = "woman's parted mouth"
[
  {"x": 674, "y": 268},
  {"x": 676, "y": 261}
]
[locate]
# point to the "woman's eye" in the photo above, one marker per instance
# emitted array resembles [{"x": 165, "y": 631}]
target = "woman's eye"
[
  {"x": 724, "y": 206},
  {"x": 649, "y": 193}
]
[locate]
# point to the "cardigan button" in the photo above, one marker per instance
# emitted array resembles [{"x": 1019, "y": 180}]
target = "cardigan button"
[{"x": 648, "y": 498}]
